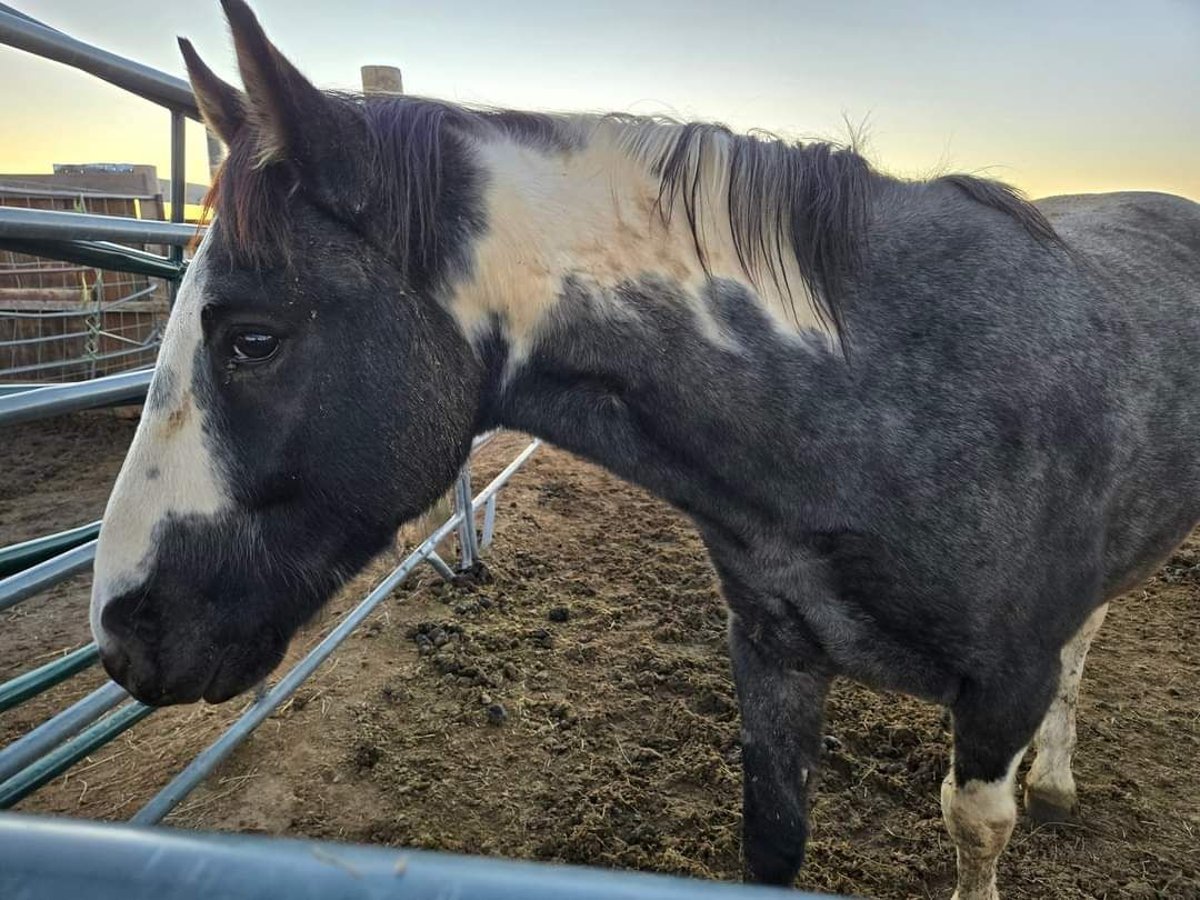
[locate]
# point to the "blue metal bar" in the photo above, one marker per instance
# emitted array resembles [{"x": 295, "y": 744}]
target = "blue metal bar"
[
  {"x": 468, "y": 538},
  {"x": 28, "y": 749},
  {"x": 178, "y": 186},
  {"x": 60, "y": 859},
  {"x": 502, "y": 479},
  {"x": 439, "y": 566},
  {"x": 5, "y": 8},
  {"x": 52, "y": 225},
  {"x": 100, "y": 254},
  {"x": 489, "y": 524},
  {"x": 55, "y": 399},
  {"x": 25, "y": 33},
  {"x": 53, "y": 764},
  {"x": 16, "y": 588},
  {"x": 32, "y": 683},
  {"x": 17, "y": 557}
]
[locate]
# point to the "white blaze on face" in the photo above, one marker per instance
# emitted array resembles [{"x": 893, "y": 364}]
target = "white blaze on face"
[{"x": 169, "y": 470}]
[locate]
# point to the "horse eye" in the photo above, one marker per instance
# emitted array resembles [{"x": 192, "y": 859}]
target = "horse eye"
[{"x": 254, "y": 346}]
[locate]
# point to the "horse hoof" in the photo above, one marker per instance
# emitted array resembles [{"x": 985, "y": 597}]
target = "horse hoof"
[{"x": 1051, "y": 808}]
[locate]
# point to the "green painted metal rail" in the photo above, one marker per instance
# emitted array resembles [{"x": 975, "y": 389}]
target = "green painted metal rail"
[
  {"x": 19, "y": 557},
  {"x": 58, "y": 761},
  {"x": 24, "y": 584},
  {"x": 101, "y": 254},
  {"x": 34, "y": 682}
]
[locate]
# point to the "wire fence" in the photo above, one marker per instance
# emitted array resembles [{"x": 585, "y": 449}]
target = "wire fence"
[{"x": 61, "y": 321}]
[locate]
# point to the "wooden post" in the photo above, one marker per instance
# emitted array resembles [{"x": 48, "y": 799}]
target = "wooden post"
[{"x": 384, "y": 80}]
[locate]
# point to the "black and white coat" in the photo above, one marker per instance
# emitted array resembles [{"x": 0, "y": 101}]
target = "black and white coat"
[{"x": 927, "y": 430}]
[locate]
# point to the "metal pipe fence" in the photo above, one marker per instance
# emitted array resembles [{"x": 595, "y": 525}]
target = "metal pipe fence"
[
  {"x": 24, "y": 584},
  {"x": 51, "y": 225},
  {"x": 21, "y": 556},
  {"x": 60, "y": 859},
  {"x": 29, "y": 684},
  {"x": 59, "y": 743},
  {"x": 27, "y": 750},
  {"x": 101, "y": 254},
  {"x": 56, "y": 399},
  {"x": 84, "y": 239},
  {"x": 26, "y": 33}
]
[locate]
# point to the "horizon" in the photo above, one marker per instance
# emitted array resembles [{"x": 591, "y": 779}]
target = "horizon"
[{"x": 1083, "y": 97}]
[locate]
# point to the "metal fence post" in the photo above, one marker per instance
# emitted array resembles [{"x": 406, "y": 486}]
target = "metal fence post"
[
  {"x": 178, "y": 185},
  {"x": 468, "y": 538}
]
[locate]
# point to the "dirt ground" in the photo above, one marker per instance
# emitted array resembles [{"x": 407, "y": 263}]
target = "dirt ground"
[{"x": 579, "y": 708}]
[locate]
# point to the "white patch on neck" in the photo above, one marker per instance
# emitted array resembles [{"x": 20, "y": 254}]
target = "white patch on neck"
[
  {"x": 592, "y": 213},
  {"x": 168, "y": 470}
]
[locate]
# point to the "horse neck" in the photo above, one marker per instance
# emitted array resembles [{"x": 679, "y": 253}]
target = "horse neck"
[
  {"x": 596, "y": 215},
  {"x": 701, "y": 399},
  {"x": 607, "y": 335}
]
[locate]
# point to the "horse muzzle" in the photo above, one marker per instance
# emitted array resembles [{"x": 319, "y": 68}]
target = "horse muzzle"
[{"x": 162, "y": 666}]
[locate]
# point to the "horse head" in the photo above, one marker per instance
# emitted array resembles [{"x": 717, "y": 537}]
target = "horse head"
[{"x": 310, "y": 396}]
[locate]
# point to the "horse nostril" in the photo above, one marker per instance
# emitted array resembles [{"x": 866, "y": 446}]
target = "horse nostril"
[
  {"x": 125, "y": 646},
  {"x": 117, "y": 618},
  {"x": 116, "y": 663}
]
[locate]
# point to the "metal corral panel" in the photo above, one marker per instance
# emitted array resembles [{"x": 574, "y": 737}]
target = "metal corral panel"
[{"x": 58, "y": 858}]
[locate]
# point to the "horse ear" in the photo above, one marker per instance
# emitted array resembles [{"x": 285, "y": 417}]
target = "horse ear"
[
  {"x": 222, "y": 106},
  {"x": 283, "y": 105},
  {"x": 324, "y": 138}
]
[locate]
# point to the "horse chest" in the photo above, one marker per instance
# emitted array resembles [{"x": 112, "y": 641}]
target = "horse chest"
[{"x": 837, "y": 602}]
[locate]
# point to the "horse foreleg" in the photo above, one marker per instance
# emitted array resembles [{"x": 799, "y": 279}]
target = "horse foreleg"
[
  {"x": 992, "y": 728},
  {"x": 1050, "y": 786},
  {"x": 782, "y": 710}
]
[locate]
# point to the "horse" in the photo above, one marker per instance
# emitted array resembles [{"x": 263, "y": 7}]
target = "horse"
[{"x": 927, "y": 430}]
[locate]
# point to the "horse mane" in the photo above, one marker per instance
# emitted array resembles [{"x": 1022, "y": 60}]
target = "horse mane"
[
  {"x": 807, "y": 201},
  {"x": 811, "y": 201},
  {"x": 1006, "y": 199}
]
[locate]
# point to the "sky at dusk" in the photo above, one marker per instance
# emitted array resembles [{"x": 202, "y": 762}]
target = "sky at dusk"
[{"x": 1054, "y": 96}]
